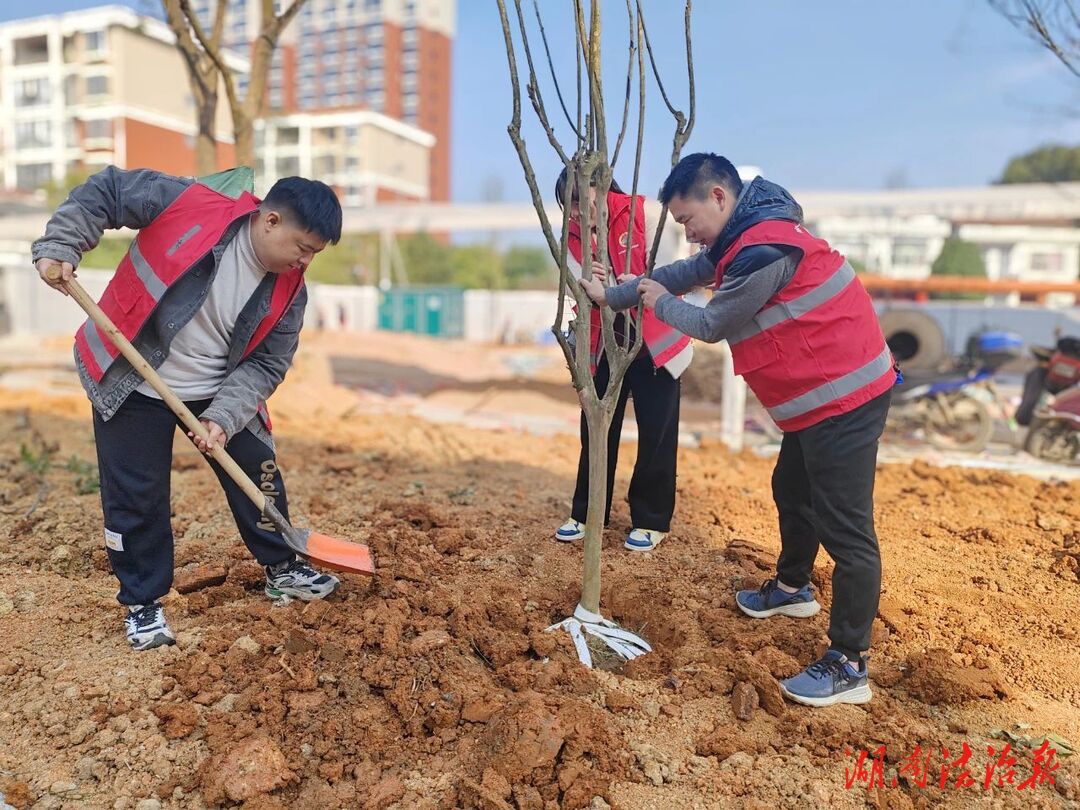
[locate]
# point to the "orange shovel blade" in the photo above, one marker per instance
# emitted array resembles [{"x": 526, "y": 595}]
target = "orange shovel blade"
[{"x": 340, "y": 554}]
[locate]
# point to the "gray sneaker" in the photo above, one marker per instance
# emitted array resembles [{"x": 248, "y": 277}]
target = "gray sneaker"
[
  {"x": 295, "y": 579},
  {"x": 146, "y": 628}
]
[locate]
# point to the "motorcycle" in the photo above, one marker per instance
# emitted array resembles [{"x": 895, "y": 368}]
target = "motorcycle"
[
  {"x": 953, "y": 412},
  {"x": 1054, "y": 432}
]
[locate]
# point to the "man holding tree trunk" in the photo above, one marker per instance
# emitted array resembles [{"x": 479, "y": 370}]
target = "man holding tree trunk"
[{"x": 804, "y": 334}]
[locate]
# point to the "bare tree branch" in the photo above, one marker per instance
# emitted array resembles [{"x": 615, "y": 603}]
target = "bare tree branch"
[
  {"x": 551, "y": 66},
  {"x": 632, "y": 25},
  {"x": 210, "y": 50},
  {"x": 533, "y": 86},
  {"x": 1054, "y": 24}
]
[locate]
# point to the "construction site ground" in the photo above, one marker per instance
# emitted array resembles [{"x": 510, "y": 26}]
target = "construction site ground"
[{"x": 435, "y": 685}]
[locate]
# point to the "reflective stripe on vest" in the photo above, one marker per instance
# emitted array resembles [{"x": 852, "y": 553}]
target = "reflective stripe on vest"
[
  {"x": 154, "y": 285},
  {"x": 815, "y": 350},
  {"x": 657, "y": 336},
  {"x": 788, "y": 310},
  {"x": 182, "y": 235},
  {"x": 96, "y": 343},
  {"x": 834, "y": 390}
]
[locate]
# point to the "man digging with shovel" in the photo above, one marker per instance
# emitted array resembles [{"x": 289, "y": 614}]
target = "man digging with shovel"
[{"x": 211, "y": 293}]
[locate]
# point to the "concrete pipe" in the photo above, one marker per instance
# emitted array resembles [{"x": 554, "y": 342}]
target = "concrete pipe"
[{"x": 916, "y": 339}]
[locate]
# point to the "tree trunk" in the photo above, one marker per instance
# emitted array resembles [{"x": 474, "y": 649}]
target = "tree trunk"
[
  {"x": 598, "y": 423},
  {"x": 244, "y": 132},
  {"x": 205, "y": 142}
]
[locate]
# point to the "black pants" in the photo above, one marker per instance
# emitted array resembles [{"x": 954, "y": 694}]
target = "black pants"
[
  {"x": 656, "y": 407},
  {"x": 134, "y": 451},
  {"x": 823, "y": 486}
]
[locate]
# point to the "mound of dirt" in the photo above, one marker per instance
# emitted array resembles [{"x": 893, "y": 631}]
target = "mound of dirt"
[{"x": 435, "y": 684}]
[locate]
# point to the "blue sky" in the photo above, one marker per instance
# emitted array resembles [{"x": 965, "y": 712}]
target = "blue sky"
[{"x": 844, "y": 94}]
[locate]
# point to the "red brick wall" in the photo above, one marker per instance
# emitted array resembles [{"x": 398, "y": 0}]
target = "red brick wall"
[
  {"x": 433, "y": 112},
  {"x": 152, "y": 147}
]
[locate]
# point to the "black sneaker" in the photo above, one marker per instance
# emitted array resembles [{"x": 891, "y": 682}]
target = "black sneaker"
[
  {"x": 295, "y": 579},
  {"x": 146, "y": 627}
]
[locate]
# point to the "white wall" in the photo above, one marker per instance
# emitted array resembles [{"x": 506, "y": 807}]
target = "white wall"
[
  {"x": 339, "y": 307},
  {"x": 517, "y": 316},
  {"x": 511, "y": 316}
]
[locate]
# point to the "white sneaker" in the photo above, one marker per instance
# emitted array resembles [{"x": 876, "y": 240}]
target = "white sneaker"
[
  {"x": 643, "y": 539},
  {"x": 146, "y": 627},
  {"x": 296, "y": 579},
  {"x": 570, "y": 531}
]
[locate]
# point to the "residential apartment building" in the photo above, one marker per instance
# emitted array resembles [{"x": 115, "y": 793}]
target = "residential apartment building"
[
  {"x": 86, "y": 89},
  {"x": 387, "y": 57},
  {"x": 81, "y": 90}
]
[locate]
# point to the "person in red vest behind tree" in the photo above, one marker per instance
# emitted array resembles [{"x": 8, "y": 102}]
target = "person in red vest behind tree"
[
  {"x": 211, "y": 293},
  {"x": 804, "y": 335},
  {"x": 652, "y": 379}
]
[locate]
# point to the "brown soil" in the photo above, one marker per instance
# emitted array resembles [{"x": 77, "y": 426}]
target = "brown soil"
[{"x": 434, "y": 684}]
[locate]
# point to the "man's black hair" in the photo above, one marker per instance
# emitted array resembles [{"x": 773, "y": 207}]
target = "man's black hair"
[
  {"x": 561, "y": 183},
  {"x": 695, "y": 174},
  {"x": 314, "y": 205}
]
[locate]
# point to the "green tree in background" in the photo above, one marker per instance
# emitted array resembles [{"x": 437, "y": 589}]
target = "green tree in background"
[
  {"x": 356, "y": 260},
  {"x": 528, "y": 268},
  {"x": 57, "y": 191},
  {"x": 959, "y": 258},
  {"x": 1053, "y": 163}
]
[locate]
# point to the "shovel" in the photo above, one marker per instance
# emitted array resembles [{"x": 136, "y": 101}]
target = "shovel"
[{"x": 330, "y": 551}]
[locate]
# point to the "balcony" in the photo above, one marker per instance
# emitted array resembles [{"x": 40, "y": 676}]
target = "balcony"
[{"x": 31, "y": 51}]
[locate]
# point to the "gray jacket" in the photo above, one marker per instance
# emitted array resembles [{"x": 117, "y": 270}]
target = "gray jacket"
[{"x": 115, "y": 198}]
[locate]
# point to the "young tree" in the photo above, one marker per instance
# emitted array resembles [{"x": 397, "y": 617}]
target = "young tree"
[
  {"x": 203, "y": 55},
  {"x": 586, "y": 161}
]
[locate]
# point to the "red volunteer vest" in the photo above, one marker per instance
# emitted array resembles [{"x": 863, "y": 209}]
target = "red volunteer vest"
[
  {"x": 164, "y": 251},
  {"x": 815, "y": 349},
  {"x": 662, "y": 340}
]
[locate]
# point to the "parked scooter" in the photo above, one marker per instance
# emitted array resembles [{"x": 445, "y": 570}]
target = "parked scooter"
[
  {"x": 952, "y": 411},
  {"x": 1054, "y": 432}
]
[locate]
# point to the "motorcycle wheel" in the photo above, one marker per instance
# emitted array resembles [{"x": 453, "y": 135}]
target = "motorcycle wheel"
[
  {"x": 957, "y": 421},
  {"x": 1052, "y": 441}
]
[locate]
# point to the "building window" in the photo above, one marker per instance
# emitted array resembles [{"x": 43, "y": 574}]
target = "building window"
[
  {"x": 1047, "y": 262},
  {"x": 375, "y": 99},
  {"x": 33, "y": 176},
  {"x": 98, "y": 128},
  {"x": 277, "y": 99},
  {"x": 372, "y": 5},
  {"x": 97, "y": 85},
  {"x": 94, "y": 42},
  {"x": 374, "y": 78},
  {"x": 32, "y": 92},
  {"x": 408, "y": 37},
  {"x": 33, "y": 134},
  {"x": 288, "y": 167},
  {"x": 307, "y": 101},
  {"x": 909, "y": 252},
  {"x": 410, "y": 8},
  {"x": 373, "y": 34}
]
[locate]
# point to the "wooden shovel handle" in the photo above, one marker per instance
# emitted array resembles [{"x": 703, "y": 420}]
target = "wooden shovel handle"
[{"x": 131, "y": 354}]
